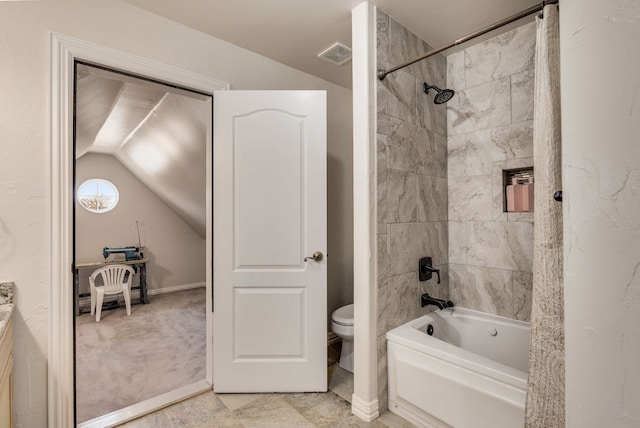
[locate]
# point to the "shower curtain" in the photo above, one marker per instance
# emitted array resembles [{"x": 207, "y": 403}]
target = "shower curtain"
[{"x": 545, "y": 395}]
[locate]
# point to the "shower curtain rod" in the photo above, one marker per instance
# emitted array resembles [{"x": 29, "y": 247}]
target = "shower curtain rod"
[{"x": 533, "y": 9}]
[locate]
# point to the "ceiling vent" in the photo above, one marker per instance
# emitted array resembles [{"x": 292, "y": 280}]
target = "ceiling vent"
[{"x": 337, "y": 53}]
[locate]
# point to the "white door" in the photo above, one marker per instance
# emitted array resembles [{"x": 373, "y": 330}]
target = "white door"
[{"x": 270, "y": 320}]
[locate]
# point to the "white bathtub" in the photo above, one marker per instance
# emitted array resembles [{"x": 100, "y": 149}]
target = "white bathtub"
[{"x": 471, "y": 373}]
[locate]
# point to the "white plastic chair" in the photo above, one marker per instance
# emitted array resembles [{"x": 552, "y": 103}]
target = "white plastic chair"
[{"x": 114, "y": 281}]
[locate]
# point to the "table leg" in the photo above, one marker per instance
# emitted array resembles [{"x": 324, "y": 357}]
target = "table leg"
[{"x": 143, "y": 283}]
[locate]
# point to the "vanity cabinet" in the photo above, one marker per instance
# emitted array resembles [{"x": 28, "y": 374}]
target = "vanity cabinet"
[{"x": 6, "y": 377}]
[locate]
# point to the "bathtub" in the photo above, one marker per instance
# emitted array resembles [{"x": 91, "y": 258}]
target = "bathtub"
[{"x": 470, "y": 373}]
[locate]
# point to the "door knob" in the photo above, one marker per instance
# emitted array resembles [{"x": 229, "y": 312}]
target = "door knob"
[{"x": 317, "y": 257}]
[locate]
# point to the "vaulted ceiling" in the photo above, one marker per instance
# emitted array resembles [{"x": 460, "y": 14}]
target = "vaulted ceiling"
[{"x": 157, "y": 132}]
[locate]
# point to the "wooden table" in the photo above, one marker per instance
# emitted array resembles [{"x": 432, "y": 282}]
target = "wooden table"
[{"x": 140, "y": 264}]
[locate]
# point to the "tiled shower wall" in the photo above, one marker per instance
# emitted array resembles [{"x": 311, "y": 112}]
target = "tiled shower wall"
[
  {"x": 489, "y": 128},
  {"x": 411, "y": 183}
]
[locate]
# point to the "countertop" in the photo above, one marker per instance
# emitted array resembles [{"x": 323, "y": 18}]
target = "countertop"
[{"x": 6, "y": 304}]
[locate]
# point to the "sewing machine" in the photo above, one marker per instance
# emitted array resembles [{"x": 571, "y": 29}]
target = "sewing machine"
[{"x": 130, "y": 252}]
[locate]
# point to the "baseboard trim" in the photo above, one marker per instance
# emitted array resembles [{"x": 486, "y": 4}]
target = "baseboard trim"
[
  {"x": 368, "y": 411},
  {"x": 174, "y": 288},
  {"x": 86, "y": 301},
  {"x": 148, "y": 406}
]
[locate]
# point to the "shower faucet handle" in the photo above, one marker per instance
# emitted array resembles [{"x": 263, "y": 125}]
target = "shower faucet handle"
[{"x": 426, "y": 269}]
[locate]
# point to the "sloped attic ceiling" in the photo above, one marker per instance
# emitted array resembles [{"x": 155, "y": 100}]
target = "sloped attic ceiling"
[{"x": 157, "y": 132}]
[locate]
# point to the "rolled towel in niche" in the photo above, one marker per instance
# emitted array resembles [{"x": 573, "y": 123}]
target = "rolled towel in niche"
[{"x": 520, "y": 195}]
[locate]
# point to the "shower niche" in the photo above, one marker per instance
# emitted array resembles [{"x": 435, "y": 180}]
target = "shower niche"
[{"x": 518, "y": 190}]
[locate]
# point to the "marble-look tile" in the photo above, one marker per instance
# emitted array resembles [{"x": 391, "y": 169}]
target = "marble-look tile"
[
  {"x": 503, "y": 55},
  {"x": 382, "y": 153},
  {"x": 199, "y": 411},
  {"x": 522, "y": 295},
  {"x": 416, "y": 149},
  {"x": 272, "y": 410},
  {"x": 381, "y": 204},
  {"x": 458, "y": 245},
  {"x": 498, "y": 191},
  {"x": 306, "y": 400},
  {"x": 335, "y": 412},
  {"x": 329, "y": 412},
  {"x": 522, "y": 96},
  {"x": 392, "y": 420},
  {"x": 236, "y": 401},
  {"x": 402, "y": 301},
  {"x": 404, "y": 45},
  {"x": 402, "y": 197},
  {"x": 480, "y": 107},
  {"x": 411, "y": 241},
  {"x": 401, "y": 96},
  {"x": 440, "y": 148},
  {"x": 475, "y": 152},
  {"x": 382, "y": 298},
  {"x": 382, "y": 36},
  {"x": 482, "y": 289},
  {"x": 501, "y": 245},
  {"x": 431, "y": 116},
  {"x": 413, "y": 149},
  {"x": 470, "y": 198},
  {"x": 223, "y": 419},
  {"x": 381, "y": 183},
  {"x": 456, "y": 71},
  {"x": 402, "y": 145},
  {"x": 432, "y": 198},
  {"x": 356, "y": 422},
  {"x": 341, "y": 382},
  {"x": 382, "y": 257},
  {"x": 382, "y": 123},
  {"x": 382, "y": 99},
  {"x": 153, "y": 420},
  {"x": 436, "y": 242},
  {"x": 383, "y": 384},
  {"x": 526, "y": 216},
  {"x": 434, "y": 71},
  {"x": 520, "y": 162}
]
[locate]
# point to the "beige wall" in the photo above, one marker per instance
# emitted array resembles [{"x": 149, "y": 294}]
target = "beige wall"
[
  {"x": 25, "y": 247},
  {"x": 490, "y": 129},
  {"x": 176, "y": 251},
  {"x": 601, "y": 192}
]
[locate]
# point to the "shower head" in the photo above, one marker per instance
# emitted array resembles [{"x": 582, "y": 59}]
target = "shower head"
[{"x": 442, "y": 96}]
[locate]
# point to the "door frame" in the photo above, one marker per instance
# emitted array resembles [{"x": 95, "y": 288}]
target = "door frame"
[{"x": 64, "y": 50}]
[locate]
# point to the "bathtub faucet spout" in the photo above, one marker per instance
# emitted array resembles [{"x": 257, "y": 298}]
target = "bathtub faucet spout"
[{"x": 426, "y": 300}]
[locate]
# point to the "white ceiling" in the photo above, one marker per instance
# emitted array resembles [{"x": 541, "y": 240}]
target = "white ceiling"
[{"x": 293, "y": 32}]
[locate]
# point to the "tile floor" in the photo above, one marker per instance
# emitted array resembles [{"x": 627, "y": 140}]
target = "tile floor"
[{"x": 328, "y": 409}]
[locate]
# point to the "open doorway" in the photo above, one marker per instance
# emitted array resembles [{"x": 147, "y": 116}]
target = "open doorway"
[{"x": 142, "y": 171}]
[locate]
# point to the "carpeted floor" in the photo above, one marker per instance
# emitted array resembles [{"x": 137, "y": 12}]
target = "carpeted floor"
[{"x": 123, "y": 360}]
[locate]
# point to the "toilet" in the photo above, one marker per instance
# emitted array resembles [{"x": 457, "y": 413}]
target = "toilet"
[{"x": 342, "y": 325}]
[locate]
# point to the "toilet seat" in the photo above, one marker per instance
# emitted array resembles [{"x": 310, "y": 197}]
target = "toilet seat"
[{"x": 343, "y": 315}]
